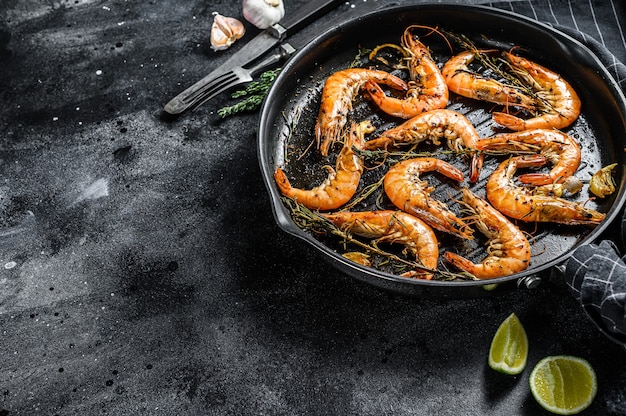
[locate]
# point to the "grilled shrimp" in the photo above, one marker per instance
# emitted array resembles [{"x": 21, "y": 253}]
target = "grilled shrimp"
[
  {"x": 561, "y": 149},
  {"x": 339, "y": 90},
  {"x": 550, "y": 96},
  {"x": 427, "y": 88},
  {"x": 508, "y": 250},
  {"x": 533, "y": 205},
  {"x": 433, "y": 125},
  {"x": 341, "y": 183},
  {"x": 399, "y": 227},
  {"x": 560, "y": 105},
  {"x": 411, "y": 194},
  {"x": 463, "y": 81}
]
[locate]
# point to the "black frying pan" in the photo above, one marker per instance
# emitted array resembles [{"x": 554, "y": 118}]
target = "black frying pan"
[{"x": 290, "y": 110}]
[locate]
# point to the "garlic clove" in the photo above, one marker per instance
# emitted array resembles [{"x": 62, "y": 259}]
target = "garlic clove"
[
  {"x": 263, "y": 13},
  {"x": 225, "y": 31}
]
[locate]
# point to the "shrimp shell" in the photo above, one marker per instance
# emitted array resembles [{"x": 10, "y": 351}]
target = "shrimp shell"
[
  {"x": 433, "y": 125},
  {"x": 560, "y": 104},
  {"x": 462, "y": 81},
  {"x": 553, "y": 98},
  {"x": 398, "y": 227},
  {"x": 427, "y": 89},
  {"x": 561, "y": 149},
  {"x": 341, "y": 183},
  {"x": 411, "y": 194},
  {"x": 508, "y": 249},
  {"x": 339, "y": 90},
  {"x": 533, "y": 205}
]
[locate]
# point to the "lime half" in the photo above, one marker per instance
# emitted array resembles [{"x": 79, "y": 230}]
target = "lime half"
[
  {"x": 509, "y": 347},
  {"x": 563, "y": 384}
]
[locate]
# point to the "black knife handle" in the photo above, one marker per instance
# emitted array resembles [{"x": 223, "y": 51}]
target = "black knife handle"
[{"x": 295, "y": 20}]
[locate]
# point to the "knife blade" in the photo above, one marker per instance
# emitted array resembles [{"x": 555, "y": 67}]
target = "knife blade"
[{"x": 255, "y": 48}]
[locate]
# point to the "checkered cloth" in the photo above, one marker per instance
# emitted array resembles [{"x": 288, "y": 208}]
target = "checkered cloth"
[{"x": 595, "y": 273}]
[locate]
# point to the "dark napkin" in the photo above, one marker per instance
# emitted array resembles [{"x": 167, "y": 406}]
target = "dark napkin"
[{"x": 595, "y": 273}]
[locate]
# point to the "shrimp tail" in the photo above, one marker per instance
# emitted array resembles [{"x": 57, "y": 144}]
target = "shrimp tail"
[
  {"x": 476, "y": 166},
  {"x": 389, "y": 105},
  {"x": 537, "y": 179},
  {"x": 283, "y": 183},
  {"x": 460, "y": 262},
  {"x": 509, "y": 121}
]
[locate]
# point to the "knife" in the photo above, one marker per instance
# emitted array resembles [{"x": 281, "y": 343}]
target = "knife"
[{"x": 196, "y": 94}]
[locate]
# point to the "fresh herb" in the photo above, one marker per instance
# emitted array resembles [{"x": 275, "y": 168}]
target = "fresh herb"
[
  {"x": 518, "y": 78},
  {"x": 358, "y": 59},
  {"x": 402, "y": 52},
  {"x": 393, "y": 157},
  {"x": 315, "y": 223},
  {"x": 365, "y": 193},
  {"x": 254, "y": 94}
]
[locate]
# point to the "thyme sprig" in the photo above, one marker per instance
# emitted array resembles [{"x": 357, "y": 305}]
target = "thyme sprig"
[
  {"x": 365, "y": 193},
  {"x": 312, "y": 221},
  {"x": 358, "y": 60},
  {"x": 515, "y": 77},
  {"x": 393, "y": 157},
  {"x": 254, "y": 94}
]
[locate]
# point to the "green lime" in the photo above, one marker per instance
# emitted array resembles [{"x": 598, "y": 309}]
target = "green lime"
[
  {"x": 509, "y": 347},
  {"x": 490, "y": 287},
  {"x": 563, "y": 384}
]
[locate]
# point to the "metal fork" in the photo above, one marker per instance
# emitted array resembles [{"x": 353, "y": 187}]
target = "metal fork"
[{"x": 199, "y": 93}]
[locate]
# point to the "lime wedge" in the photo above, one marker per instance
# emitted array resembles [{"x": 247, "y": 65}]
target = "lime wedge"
[
  {"x": 563, "y": 384},
  {"x": 490, "y": 287},
  {"x": 509, "y": 347}
]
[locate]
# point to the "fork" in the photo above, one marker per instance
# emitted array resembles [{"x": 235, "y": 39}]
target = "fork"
[{"x": 200, "y": 94}]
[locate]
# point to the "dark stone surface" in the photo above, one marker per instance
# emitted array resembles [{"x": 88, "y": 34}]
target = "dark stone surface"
[{"x": 141, "y": 271}]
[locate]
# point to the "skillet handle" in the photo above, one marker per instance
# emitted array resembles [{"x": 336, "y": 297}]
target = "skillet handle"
[{"x": 311, "y": 10}]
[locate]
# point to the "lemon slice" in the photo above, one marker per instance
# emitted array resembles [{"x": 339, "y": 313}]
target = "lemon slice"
[
  {"x": 563, "y": 384},
  {"x": 509, "y": 347}
]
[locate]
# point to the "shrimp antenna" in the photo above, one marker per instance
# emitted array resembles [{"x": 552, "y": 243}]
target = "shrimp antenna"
[
  {"x": 517, "y": 47},
  {"x": 432, "y": 30}
]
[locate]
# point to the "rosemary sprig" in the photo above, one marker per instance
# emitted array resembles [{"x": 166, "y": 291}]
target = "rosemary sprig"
[{"x": 254, "y": 94}]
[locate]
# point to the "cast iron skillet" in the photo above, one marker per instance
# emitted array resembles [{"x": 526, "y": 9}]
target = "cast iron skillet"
[{"x": 290, "y": 109}]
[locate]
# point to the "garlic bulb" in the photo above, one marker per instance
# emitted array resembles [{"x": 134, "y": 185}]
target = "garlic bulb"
[
  {"x": 225, "y": 31},
  {"x": 263, "y": 13}
]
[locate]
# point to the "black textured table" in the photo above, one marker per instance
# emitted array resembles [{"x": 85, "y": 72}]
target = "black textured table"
[{"x": 141, "y": 271}]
